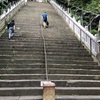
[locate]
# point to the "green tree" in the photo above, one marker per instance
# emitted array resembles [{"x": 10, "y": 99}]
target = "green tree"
[
  {"x": 88, "y": 5},
  {"x": 94, "y": 6}
]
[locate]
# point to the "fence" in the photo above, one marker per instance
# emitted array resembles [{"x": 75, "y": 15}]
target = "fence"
[
  {"x": 82, "y": 34},
  {"x": 6, "y": 16}
]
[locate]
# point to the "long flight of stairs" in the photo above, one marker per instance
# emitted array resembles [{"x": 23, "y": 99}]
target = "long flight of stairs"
[{"x": 22, "y": 68}]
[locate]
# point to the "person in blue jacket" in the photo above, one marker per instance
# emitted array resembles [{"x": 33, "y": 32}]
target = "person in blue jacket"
[{"x": 45, "y": 19}]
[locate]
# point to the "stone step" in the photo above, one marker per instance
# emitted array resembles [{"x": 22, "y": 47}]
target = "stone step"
[
  {"x": 13, "y": 52},
  {"x": 39, "y": 48},
  {"x": 68, "y": 54},
  {"x": 40, "y": 51},
  {"x": 22, "y": 71},
  {"x": 21, "y": 47},
  {"x": 24, "y": 42},
  {"x": 22, "y": 61},
  {"x": 72, "y": 62},
  {"x": 77, "y": 97},
  {"x": 62, "y": 50},
  {"x": 26, "y": 55},
  {"x": 70, "y": 45},
  {"x": 28, "y": 91},
  {"x": 73, "y": 71},
  {"x": 32, "y": 97},
  {"x": 50, "y": 76},
  {"x": 73, "y": 77},
  {"x": 21, "y": 57},
  {"x": 20, "y": 83},
  {"x": 59, "y": 65},
  {"x": 15, "y": 65},
  {"x": 77, "y": 83},
  {"x": 69, "y": 58},
  {"x": 73, "y": 66},
  {"x": 58, "y": 97},
  {"x": 21, "y": 91},
  {"x": 21, "y": 39},
  {"x": 16, "y": 54},
  {"x": 30, "y": 56},
  {"x": 41, "y": 65},
  {"x": 24, "y": 45},
  {"x": 26, "y": 61},
  {"x": 58, "y": 42},
  {"x": 66, "y": 47},
  {"x": 50, "y": 71},
  {"x": 39, "y": 40},
  {"x": 78, "y": 91},
  {"x": 12, "y": 42},
  {"x": 58, "y": 83},
  {"x": 22, "y": 76},
  {"x": 83, "y": 83},
  {"x": 66, "y": 50}
]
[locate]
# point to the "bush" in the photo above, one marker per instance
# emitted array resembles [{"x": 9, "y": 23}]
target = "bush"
[
  {"x": 95, "y": 32},
  {"x": 78, "y": 18},
  {"x": 85, "y": 23}
]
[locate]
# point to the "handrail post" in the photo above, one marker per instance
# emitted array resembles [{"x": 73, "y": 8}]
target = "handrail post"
[{"x": 48, "y": 91}]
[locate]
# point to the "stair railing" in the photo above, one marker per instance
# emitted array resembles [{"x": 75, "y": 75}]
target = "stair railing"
[
  {"x": 45, "y": 53},
  {"x": 6, "y": 16},
  {"x": 82, "y": 34}
]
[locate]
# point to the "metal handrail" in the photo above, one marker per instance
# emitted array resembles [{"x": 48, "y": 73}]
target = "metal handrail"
[{"x": 45, "y": 53}]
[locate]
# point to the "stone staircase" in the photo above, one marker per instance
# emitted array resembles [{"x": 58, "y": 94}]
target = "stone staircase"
[{"x": 22, "y": 59}]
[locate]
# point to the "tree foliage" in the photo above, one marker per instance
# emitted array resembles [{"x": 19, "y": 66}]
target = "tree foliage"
[
  {"x": 94, "y": 6},
  {"x": 89, "y": 5}
]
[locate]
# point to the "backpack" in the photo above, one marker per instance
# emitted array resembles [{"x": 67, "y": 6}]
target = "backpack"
[{"x": 47, "y": 23}]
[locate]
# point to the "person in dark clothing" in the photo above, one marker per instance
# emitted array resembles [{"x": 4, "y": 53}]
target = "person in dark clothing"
[{"x": 11, "y": 27}]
